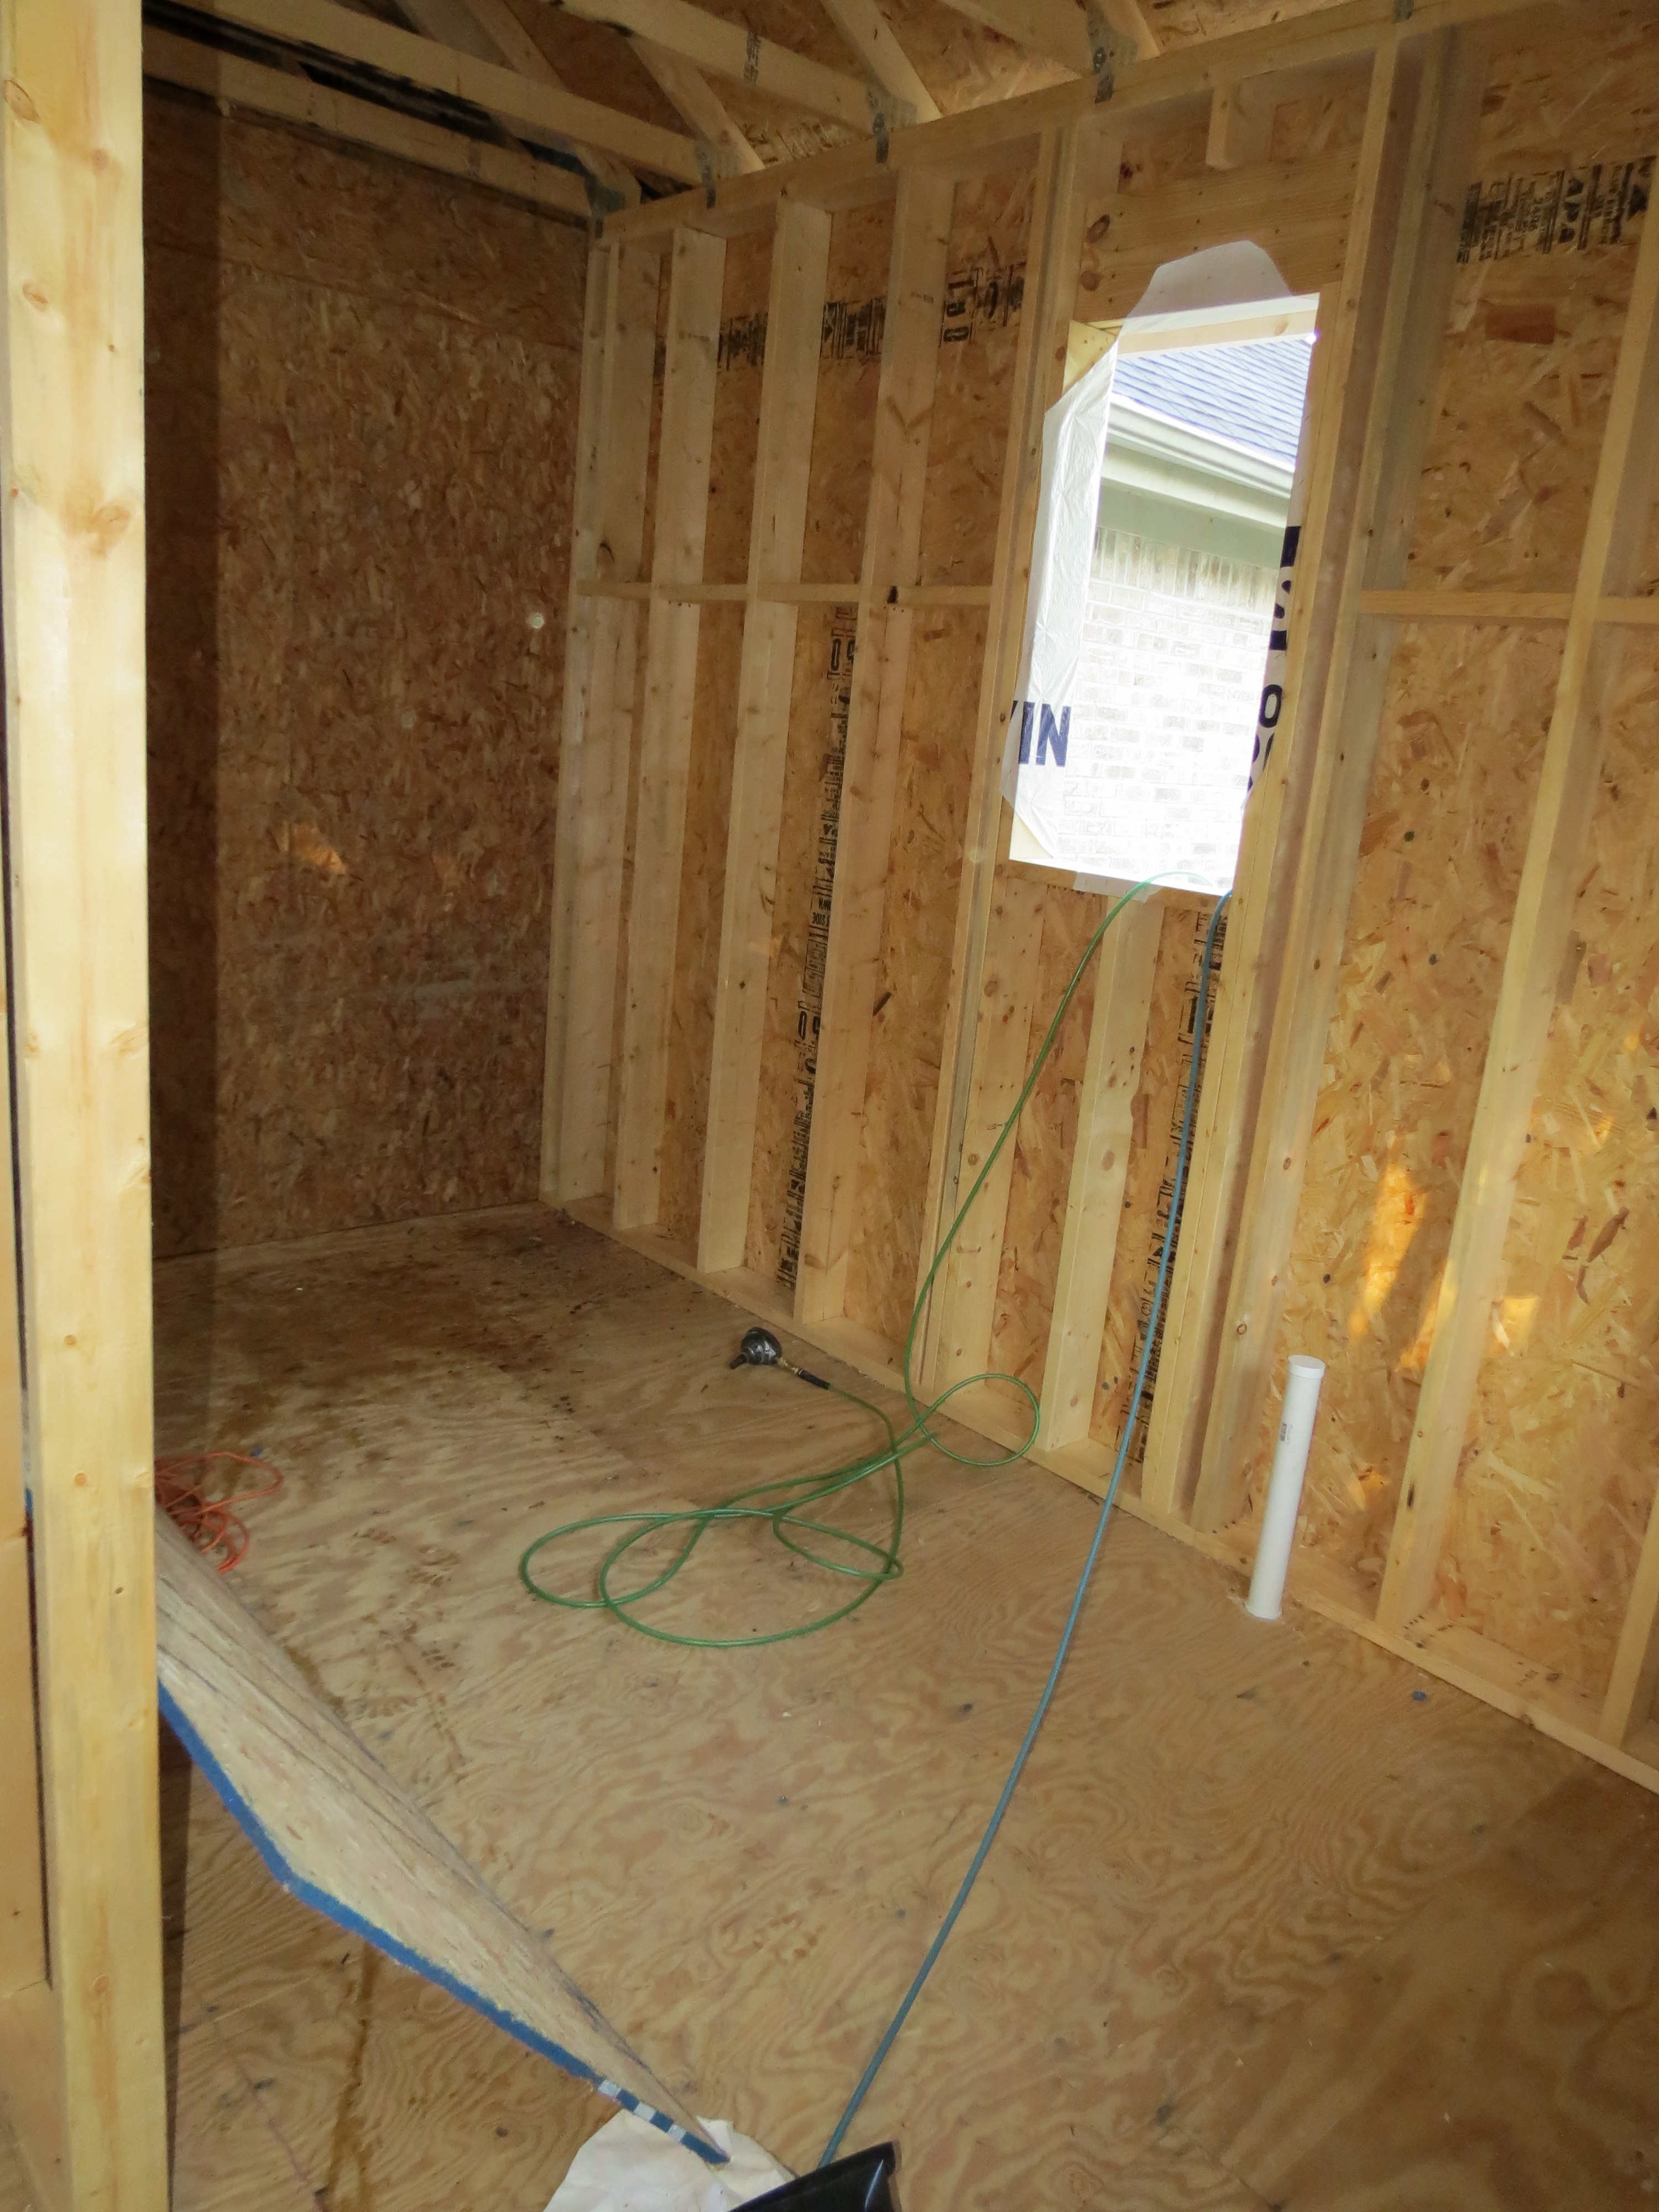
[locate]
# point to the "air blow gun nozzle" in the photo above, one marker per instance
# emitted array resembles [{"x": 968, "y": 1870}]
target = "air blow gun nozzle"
[{"x": 760, "y": 1348}]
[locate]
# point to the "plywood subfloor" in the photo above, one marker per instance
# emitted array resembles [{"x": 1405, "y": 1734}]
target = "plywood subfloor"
[
  {"x": 14, "y": 2190},
  {"x": 1271, "y": 1921}
]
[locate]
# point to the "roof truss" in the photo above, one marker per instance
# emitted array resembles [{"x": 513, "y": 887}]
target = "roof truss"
[{"x": 468, "y": 88}]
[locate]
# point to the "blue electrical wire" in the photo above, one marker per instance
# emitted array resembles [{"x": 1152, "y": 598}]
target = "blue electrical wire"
[{"x": 868, "y": 2078}]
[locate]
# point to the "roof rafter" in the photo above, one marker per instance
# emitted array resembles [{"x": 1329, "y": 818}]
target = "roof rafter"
[
  {"x": 292, "y": 98},
  {"x": 364, "y": 39},
  {"x": 727, "y": 50},
  {"x": 689, "y": 91},
  {"x": 490, "y": 29},
  {"x": 1063, "y": 31},
  {"x": 701, "y": 106},
  {"x": 1055, "y": 28},
  {"x": 872, "y": 38},
  {"x": 1128, "y": 18}
]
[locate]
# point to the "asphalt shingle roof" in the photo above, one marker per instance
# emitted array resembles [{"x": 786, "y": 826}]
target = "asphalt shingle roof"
[{"x": 1251, "y": 394}]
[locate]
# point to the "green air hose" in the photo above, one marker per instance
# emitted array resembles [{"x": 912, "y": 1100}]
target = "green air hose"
[
  {"x": 785, "y": 1503},
  {"x": 1183, "y": 1153},
  {"x": 789, "y": 1504}
]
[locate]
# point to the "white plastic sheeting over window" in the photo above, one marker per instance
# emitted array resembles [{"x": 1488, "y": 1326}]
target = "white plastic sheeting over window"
[{"x": 1153, "y": 671}]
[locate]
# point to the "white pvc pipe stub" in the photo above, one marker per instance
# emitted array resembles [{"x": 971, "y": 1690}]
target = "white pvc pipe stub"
[{"x": 1295, "y": 1423}]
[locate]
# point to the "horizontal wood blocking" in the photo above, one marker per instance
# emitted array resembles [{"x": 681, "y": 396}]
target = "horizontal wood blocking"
[
  {"x": 781, "y": 594},
  {"x": 1545, "y": 608},
  {"x": 1243, "y": 109}
]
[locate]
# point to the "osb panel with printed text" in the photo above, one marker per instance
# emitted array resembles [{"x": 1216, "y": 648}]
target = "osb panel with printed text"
[
  {"x": 849, "y": 373},
  {"x": 979, "y": 335},
  {"x": 1547, "y": 254}
]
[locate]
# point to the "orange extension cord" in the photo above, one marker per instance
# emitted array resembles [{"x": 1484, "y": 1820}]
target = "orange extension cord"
[{"x": 213, "y": 1524}]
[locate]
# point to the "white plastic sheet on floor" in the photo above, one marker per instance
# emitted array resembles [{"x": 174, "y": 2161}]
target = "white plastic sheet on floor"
[{"x": 631, "y": 2167}]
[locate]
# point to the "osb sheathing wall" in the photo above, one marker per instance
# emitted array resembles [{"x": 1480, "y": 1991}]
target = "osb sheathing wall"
[
  {"x": 362, "y": 395},
  {"x": 1559, "y": 1471},
  {"x": 967, "y": 441},
  {"x": 1167, "y": 201},
  {"x": 1558, "y": 1474}
]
